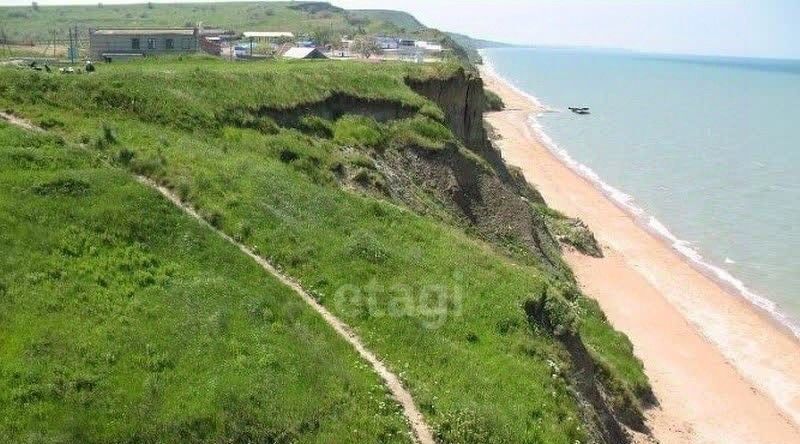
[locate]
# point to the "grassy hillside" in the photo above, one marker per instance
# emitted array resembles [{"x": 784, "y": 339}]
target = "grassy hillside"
[
  {"x": 25, "y": 23},
  {"x": 446, "y": 311},
  {"x": 125, "y": 321}
]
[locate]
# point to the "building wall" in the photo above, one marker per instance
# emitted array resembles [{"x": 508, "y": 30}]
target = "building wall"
[{"x": 101, "y": 44}]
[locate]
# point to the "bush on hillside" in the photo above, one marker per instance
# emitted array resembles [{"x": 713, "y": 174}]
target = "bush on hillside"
[
  {"x": 357, "y": 131},
  {"x": 492, "y": 101},
  {"x": 316, "y": 126},
  {"x": 422, "y": 132}
]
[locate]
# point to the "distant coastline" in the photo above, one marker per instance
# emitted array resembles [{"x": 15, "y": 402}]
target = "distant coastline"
[
  {"x": 627, "y": 203},
  {"x": 736, "y": 339}
]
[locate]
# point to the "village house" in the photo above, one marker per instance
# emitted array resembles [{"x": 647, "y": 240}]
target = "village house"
[
  {"x": 387, "y": 43},
  {"x": 428, "y": 46},
  {"x": 121, "y": 43}
]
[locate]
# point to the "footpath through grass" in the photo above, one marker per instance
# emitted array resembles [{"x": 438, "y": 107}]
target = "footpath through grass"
[
  {"x": 444, "y": 310},
  {"x": 123, "y": 320}
]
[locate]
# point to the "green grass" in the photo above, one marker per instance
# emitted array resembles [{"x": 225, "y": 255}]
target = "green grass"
[
  {"x": 123, "y": 320},
  {"x": 443, "y": 310},
  {"x": 493, "y": 101},
  {"x": 23, "y": 22}
]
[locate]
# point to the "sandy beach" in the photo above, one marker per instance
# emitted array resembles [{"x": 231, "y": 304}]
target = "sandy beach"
[{"x": 723, "y": 371}]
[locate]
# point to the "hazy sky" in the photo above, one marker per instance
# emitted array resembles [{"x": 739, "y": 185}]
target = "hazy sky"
[{"x": 762, "y": 28}]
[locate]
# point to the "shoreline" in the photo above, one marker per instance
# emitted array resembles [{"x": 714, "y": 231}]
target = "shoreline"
[
  {"x": 722, "y": 367},
  {"x": 732, "y": 285},
  {"x": 625, "y": 202}
]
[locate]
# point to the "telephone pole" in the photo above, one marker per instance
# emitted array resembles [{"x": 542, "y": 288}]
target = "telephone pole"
[{"x": 71, "y": 47}]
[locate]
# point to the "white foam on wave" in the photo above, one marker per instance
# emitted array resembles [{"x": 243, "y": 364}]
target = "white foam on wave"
[
  {"x": 740, "y": 350},
  {"x": 627, "y": 203},
  {"x": 489, "y": 68},
  {"x": 652, "y": 224}
]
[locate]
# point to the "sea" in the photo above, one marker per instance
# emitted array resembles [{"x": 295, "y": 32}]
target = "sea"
[{"x": 703, "y": 151}]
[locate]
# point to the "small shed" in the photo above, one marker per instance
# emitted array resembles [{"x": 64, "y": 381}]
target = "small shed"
[{"x": 304, "y": 53}]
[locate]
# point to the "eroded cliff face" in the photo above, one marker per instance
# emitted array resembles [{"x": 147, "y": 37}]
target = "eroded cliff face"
[
  {"x": 468, "y": 185},
  {"x": 498, "y": 202},
  {"x": 461, "y": 188},
  {"x": 462, "y": 99}
]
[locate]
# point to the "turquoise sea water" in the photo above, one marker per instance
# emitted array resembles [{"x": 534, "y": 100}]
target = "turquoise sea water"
[{"x": 706, "y": 150}]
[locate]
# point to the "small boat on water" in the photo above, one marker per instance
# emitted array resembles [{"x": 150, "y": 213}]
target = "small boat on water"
[
  {"x": 574, "y": 108},
  {"x": 581, "y": 110}
]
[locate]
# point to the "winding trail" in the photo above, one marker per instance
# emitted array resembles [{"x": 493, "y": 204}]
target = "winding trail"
[{"x": 416, "y": 420}]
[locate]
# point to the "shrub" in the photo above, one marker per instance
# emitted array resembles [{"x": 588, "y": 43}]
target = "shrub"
[
  {"x": 465, "y": 426},
  {"x": 124, "y": 157},
  {"x": 422, "y": 132},
  {"x": 552, "y": 311},
  {"x": 365, "y": 245},
  {"x": 266, "y": 125},
  {"x": 492, "y": 101},
  {"x": 316, "y": 126},
  {"x": 51, "y": 122},
  {"x": 432, "y": 111},
  {"x": 357, "y": 131},
  {"x": 213, "y": 217},
  {"x": 288, "y": 155},
  {"x": 368, "y": 178},
  {"x": 183, "y": 189},
  {"x": 62, "y": 187},
  {"x": 337, "y": 168},
  {"x": 152, "y": 166},
  {"x": 243, "y": 232},
  {"x": 361, "y": 160},
  {"x": 107, "y": 137}
]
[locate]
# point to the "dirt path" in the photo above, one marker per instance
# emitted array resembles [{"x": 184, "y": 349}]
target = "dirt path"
[{"x": 422, "y": 432}]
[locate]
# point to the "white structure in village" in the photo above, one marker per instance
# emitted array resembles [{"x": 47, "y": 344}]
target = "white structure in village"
[
  {"x": 268, "y": 36},
  {"x": 428, "y": 46},
  {"x": 304, "y": 53}
]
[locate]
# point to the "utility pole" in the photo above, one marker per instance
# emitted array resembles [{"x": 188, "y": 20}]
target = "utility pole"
[
  {"x": 71, "y": 47},
  {"x": 4, "y": 46}
]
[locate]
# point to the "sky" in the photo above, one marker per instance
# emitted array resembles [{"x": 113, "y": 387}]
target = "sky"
[{"x": 750, "y": 28}]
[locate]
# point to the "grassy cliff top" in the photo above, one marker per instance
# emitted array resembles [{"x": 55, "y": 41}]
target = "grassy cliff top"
[{"x": 193, "y": 91}]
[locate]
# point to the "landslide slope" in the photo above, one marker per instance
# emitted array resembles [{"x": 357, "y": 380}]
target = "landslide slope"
[{"x": 376, "y": 188}]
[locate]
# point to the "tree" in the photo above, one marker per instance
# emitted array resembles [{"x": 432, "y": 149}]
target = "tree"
[
  {"x": 323, "y": 36},
  {"x": 35, "y": 6},
  {"x": 365, "y": 45}
]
